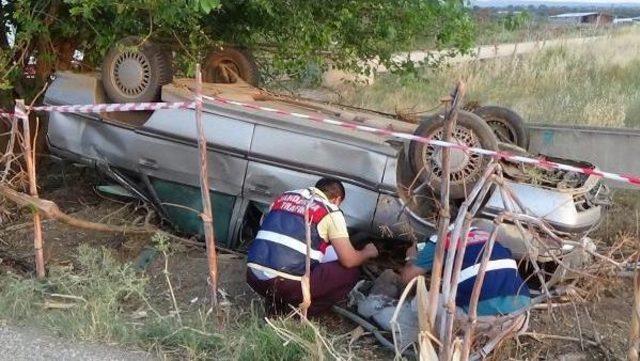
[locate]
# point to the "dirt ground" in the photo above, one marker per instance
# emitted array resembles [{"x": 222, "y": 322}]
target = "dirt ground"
[{"x": 598, "y": 329}]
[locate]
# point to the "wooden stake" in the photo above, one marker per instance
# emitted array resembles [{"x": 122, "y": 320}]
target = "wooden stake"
[
  {"x": 445, "y": 214},
  {"x": 207, "y": 211},
  {"x": 29, "y": 154},
  {"x": 305, "y": 281},
  {"x": 634, "y": 336},
  {"x": 477, "y": 286},
  {"x": 447, "y": 281}
]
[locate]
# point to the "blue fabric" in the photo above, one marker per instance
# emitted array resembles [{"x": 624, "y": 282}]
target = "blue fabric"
[
  {"x": 501, "y": 305},
  {"x": 425, "y": 256},
  {"x": 503, "y": 290}
]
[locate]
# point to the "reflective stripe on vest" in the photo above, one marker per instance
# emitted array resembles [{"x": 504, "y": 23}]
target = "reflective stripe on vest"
[
  {"x": 472, "y": 271},
  {"x": 290, "y": 243}
]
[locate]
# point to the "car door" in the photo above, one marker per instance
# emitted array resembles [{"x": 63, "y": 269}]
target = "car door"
[
  {"x": 168, "y": 154},
  {"x": 282, "y": 159}
]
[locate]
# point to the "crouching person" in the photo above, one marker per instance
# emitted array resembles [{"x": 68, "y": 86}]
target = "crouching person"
[
  {"x": 502, "y": 296},
  {"x": 280, "y": 246}
]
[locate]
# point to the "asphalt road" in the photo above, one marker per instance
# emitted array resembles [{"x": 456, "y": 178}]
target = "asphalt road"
[{"x": 19, "y": 343}]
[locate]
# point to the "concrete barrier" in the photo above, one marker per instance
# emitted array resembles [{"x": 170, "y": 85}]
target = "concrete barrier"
[{"x": 611, "y": 149}]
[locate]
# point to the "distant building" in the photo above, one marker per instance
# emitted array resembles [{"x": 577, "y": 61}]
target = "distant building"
[{"x": 595, "y": 18}]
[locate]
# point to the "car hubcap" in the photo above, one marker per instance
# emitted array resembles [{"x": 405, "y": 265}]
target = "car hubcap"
[
  {"x": 132, "y": 73},
  {"x": 464, "y": 166}
]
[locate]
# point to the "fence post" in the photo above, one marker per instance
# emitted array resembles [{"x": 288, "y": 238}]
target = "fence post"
[
  {"x": 207, "y": 212},
  {"x": 29, "y": 158}
]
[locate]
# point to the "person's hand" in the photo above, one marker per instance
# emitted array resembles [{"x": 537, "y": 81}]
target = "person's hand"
[{"x": 370, "y": 250}]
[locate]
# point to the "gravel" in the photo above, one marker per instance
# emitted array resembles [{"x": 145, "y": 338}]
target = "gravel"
[{"x": 23, "y": 343}]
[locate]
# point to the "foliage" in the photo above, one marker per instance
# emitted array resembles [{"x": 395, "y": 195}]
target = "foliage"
[
  {"x": 514, "y": 21},
  {"x": 290, "y": 34}
]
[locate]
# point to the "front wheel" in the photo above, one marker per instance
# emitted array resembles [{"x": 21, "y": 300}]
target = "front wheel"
[{"x": 465, "y": 168}]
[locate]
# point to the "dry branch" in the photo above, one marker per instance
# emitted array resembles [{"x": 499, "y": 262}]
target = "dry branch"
[
  {"x": 305, "y": 281},
  {"x": 445, "y": 215},
  {"x": 207, "y": 211},
  {"x": 29, "y": 157},
  {"x": 50, "y": 210},
  {"x": 475, "y": 293},
  {"x": 634, "y": 337}
]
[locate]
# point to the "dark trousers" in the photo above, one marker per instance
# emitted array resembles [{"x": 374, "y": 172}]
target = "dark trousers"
[{"x": 330, "y": 284}]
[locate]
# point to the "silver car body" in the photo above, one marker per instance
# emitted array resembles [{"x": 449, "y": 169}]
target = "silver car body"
[{"x": 256, "y": 155}]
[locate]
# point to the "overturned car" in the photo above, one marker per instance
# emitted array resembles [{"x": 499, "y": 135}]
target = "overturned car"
[{"x": 254, "y": 155}]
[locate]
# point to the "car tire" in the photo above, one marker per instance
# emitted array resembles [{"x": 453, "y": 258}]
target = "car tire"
[
  {"x": 466, "y": 168},
  {"x": 220, "y": 61},
  {"x": 507, "y": 125},
  {"x": 135, "y": 72}
]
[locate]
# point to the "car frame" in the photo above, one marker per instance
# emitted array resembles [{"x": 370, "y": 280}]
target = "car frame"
[{"x": 255, "y": 155}]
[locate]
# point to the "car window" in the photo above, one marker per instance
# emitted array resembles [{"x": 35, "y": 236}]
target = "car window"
[{"x": 183, "y": 205}]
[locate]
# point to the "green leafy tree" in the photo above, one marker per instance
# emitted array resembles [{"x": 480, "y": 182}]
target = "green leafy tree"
[
  {"x": 287, "y": 34},
  {"x": 515, "y": 21}
]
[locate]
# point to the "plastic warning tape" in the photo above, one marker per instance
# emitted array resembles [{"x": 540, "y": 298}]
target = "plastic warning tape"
[
  {"x": 122, "y": 107},
  {"x": 5, "y": 114},
  {"x": 500, "y": 155}
]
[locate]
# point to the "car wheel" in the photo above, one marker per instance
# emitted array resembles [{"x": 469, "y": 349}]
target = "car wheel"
[
  {"x": 226, "y": 64},
  {"x": 465, "y": 168},
  {"x": 507, "y": 125},
  {"x": 135, "y": 72}
]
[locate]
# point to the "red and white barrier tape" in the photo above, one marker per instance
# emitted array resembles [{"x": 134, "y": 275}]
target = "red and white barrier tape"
[
  {"x": 122, "y": 107},
  {"x": 538, "y": 162},
  {"x": 5, "y": 114}
]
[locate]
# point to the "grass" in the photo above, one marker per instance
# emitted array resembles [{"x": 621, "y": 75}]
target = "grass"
[
  {"x": 595, "y": 84},
  {"x": 109, "y": 302}
]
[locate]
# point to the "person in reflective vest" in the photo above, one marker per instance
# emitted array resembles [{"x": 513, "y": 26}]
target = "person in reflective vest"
[
  {"x": 280, "y": 245},
  {"x": 503, "y": 290},
  {"x": 503, "y": 297}
]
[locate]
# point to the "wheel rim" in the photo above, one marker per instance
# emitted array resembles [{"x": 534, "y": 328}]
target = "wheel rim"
[
  {"x": 131, "y": 73},
  {"x": 464, "y": 166},
  {"x": 503, "y": 130}
]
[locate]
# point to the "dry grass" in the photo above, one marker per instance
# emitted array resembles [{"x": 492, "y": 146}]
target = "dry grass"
[
  {"x": 108, "y": 301},
  {"x": 595, "y": 84}
]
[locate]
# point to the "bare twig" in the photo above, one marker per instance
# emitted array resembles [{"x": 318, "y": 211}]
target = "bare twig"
[
  {"x": 475, "y": 293},
  {"x": 165, "y": 272},
  {"x": 634, "y": 334},
  {"x": 540, "y": 336}
]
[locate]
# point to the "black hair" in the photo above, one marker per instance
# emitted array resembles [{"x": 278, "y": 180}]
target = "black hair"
[{"x": 331, "y": 187}]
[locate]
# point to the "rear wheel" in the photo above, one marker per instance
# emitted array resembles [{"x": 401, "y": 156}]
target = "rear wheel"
[
  {"x": 133, "y": 71},
  {"x": 465, "y": 168},
  {"x": 225, "y": 65}
]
